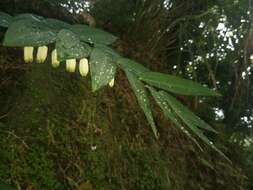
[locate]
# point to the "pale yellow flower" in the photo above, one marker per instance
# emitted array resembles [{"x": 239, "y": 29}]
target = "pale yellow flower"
[
  {"x": 111, "y": 83},
  {"x": 42, "y": 54},
  {"x": 251, "y": 59},
  {"x": 71, "y": 65},
  {"x": 28, "y": 54},
  {"x": 54, "y": 61},
  {"x": 84, "y": 67}
]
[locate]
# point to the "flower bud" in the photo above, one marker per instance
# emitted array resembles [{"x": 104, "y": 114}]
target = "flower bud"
[
  {"x": 28, "y": 54},
  {"x": 111, "y": 83},
  {"x": 71, "y": 65},
  {"x": 83, "y": 67},
  {"x": 42, "y": 54},
  {"x": 251, "y": 59},
  {"x": 54, "y": 61}
]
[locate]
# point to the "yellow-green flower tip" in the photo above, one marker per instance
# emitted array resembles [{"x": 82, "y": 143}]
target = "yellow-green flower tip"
[
  {"x": 83, "y": 67},
  {"x": 54, "y": 61},
  {"x": 111, "y": 83},
  {"x": 71, "y": 65},
  {"x": 42, "y": 54},
  {"x": 251, "y": 59},
  {"x": 28, "y": 54}
]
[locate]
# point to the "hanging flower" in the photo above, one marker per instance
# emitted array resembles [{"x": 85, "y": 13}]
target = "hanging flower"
[
  {"x": 54, "y": 61},
  {"x": 251, "y": 59},
  {"x": 111, "y": 83},
  {"x": 71, "y": 65},
  {"x": 84, "y": 67},
  {"x": 42, "y": 54},
  {"x": 28, "y": 54}
]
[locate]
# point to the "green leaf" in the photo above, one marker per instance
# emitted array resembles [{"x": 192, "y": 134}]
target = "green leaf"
[
  {"x": 194, "y": 119},
  {"x": 178, "y": 108},
  {"x": 28, "y": 32},
  {"x": 5, "y": 187},
  {"x": 56, "y": 25},
  {"x": 169, "y": 113},
  {"x": 102, "y": 68},
  {"x": 142, "y": 97},
  {"x": 28, "y": 16},
  {"x": 190, "y": 116},
  {"x": 5, "y": 19},
  {"x": 164, "y": 106},
  {"x": 132, "y": 66},
  {"x": 93, "y": 35},
  {"x": 69, "y": 46},
  {"x": 108, "y": 50},
  {"x": 176, "y": 85}
]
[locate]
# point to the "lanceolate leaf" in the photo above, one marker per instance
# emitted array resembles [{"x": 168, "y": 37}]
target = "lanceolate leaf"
[
  {"x": 185, "y": 113},
  {"x": 142, "y": 97},
  {"x": 164, "y": 106},
  {"x": 177, "y": 108},
  {"x": 176, "y": 85},
  {"x": 102, "y": 67},
  {"x": 132, "y": 66},
  {"x": 26, "y": 32},
  {"x": 170, "y": 114},
  {"x": 194, "y": 119},
  {"x": 93, "y": 35},
  {"x": 5, "y": 19},
  {"x": 69, "y": 46}
]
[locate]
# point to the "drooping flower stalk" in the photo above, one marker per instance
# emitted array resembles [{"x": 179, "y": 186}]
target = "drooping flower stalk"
[
  {"x": 71, "y": 65},
  {"x": 83, "y": 67},
  {"x": 54, "y": 61},
  {"x": 28, "y": 54},
  {"x": 42, "y": 54}
]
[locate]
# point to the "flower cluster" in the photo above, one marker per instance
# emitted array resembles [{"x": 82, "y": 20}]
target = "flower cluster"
[{"x": 41, "y": 57}]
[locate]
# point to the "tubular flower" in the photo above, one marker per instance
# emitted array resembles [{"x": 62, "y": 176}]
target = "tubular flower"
[
  {"x": 42, "y": 54},
  {"x": 83, "y": 67},
  {"x": 111, "y": 83},
  {"x": 54, "y": 61},
  {"x": 251, "y": 59},
  {"x": 71, "y": 65},
  {"x": 28, "y": 54}
]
